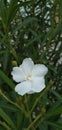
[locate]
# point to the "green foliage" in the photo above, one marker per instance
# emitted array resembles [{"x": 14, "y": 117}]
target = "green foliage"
[{"x": 31, "y": 28}]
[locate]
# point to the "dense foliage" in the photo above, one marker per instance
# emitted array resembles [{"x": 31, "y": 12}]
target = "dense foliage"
[{"x": 31, "y": 28}]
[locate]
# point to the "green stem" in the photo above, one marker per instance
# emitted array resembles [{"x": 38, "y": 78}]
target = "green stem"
[
  {"x": 5, "y": 125},
  {"x": 37, "y": 118},
  {"x": 28, "y": 111},
  {"x": 13, "y": 103},
  {"x": 40, "y": 116},
  {"x": 38, "y": 124}
]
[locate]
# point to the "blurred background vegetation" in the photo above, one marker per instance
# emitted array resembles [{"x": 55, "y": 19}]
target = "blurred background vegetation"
[{"x": 31, "y": 28}]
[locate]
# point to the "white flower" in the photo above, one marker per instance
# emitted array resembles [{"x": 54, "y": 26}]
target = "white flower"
[{"x": 30, "y": 77}]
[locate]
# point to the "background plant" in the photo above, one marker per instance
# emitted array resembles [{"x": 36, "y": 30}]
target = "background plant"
[{"x": 31, "y": 28}]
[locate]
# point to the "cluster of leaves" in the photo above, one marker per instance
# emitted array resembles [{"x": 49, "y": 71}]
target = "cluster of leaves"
[{"x": 31, "y": 28}]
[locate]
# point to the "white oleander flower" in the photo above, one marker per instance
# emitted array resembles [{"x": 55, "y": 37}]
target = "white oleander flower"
[{"x": 29, "y": 76}]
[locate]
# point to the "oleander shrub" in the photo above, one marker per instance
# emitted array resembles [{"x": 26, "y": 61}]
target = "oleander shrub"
[{"x": 31, "y": 29}]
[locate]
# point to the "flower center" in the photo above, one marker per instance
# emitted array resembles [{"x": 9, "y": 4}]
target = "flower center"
[{"x": 29, "y": 77}]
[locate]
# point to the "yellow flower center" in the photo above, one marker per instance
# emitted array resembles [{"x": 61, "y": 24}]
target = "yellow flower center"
[{"x": 29, "y": 77}]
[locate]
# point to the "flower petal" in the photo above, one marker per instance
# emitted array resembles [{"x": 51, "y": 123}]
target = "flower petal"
[
  {"x": 39, "y": 70},
  {"x": 38, "y": 84},
  {"x": 23, "y": 88},
  {"x": 18, "y": 74},
  {"x": 27, "y": 65}
]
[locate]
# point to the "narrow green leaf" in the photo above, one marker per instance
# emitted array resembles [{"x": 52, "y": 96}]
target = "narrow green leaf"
[
  {"x": 54, "y": 125},
  {"x": 7, "y": 118},
  {"x": 7, "y": 106},
  {"x": 5, "y": 59},
  {"x": 4, "y": 126},
  {"x": 57, "y": 95},
  {"x": 3, "y": 13},
  {"x": 31, "y": 41},
  {"x": 25, "y": 23},
  {"x": 7, "y": 79},
  {"x": 12, "y": 10},
  {"x": 20, "y": 118},
  {"x": 14, "y": 7},
  {"x": 54, "y": 112}
]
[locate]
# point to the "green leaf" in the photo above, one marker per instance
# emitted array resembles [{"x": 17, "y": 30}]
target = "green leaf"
[
  {"x": 8, "y": 106},
  {"x": 7, "y": 118},
  {"x": 20, "y": 118},
  {"x": 7, "y": 79},
  {"x": 31, "y": 41},
  {"x": 3, "y": 13},
  {"x": 58, "y": 96},
  {"x": 54, "y": 111},
  {"x": 56, "y": 125},
  {"x": 24, "y": 23},
  {"x": 12, "y": 10},
  {"x": 5, "y": 59},
  {"x": 43, "y": 126}
]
